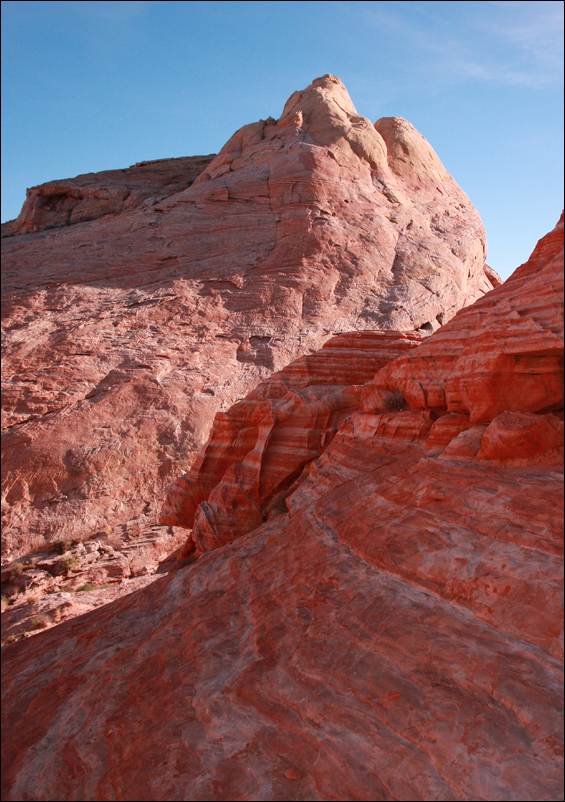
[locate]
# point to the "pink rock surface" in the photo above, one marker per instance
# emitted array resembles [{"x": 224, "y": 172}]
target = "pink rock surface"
[
  {"x": 397, "y": 634},
  {"x": 258, "y": 448},
  {"x": 512, "y": 435},
  {"x": 126, "y": 334},
  {"x": 515, "y": 366}
]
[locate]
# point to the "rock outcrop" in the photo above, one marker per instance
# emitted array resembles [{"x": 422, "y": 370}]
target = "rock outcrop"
[
  {"x": 88, "y": 197},
  {"x": 259, "y": 448},
  {"x": 484, "y": 396},
  {"x": 71, "y": 578},
  {"x": 515, "y": 366},
  {"x": 396, "y": 634},
  {"x": 143, "y": 313}
]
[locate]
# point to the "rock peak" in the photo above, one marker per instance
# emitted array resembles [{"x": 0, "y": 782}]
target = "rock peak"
[
  {"x": 409, "y": 154},
  {"x": 325, "y": 112},
  {"x": 210, "y": 275},
  {"x": 328, "y": 88}
]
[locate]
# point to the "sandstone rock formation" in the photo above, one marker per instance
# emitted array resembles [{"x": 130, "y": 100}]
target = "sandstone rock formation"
[
  {"x": 258, "y": 449},
  {"x": 396, "y": 634},
  {"x": 68, "y": 579},
  {"x": 516, "y": 365},
  {"x": 87, "y": 197},
  {"x": 132, "y": 315}
]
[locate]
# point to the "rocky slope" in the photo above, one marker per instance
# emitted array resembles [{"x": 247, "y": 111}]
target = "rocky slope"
[
  {"x": 134, "y": 308},
  {"x": 396, "y": 634},
  {"x": 479, "y": 391}
]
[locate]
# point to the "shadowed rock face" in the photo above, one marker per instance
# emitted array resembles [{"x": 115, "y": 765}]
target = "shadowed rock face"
[
  {"x": 396, "y": 634},
  {"x": 125, "y": 334}
]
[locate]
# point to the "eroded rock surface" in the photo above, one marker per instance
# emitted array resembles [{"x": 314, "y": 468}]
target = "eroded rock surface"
[
  {"x": 42, "y": 588},
  {"x": 396, "y": 634},
  {"x": 451, "y": 383},
  {"x": 125, "y": 334},
  {"x": 515, "y": 365}
]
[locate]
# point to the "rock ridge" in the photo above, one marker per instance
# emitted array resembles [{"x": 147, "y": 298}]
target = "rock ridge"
[{"x": 93, "y": 195}]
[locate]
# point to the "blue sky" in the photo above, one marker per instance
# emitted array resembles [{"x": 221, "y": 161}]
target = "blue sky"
[{"x": 90, "y": 86}]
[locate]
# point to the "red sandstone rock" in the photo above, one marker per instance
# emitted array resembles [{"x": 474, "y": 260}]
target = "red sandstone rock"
[
  {"x": 396, "y": 635},
  {"x": 515, "y": 365},
  {"x": 126, "y": 334},
  {"x": 512, "y": 435},
  {"x": 278, "y": 655},
  {"x": 257, "y": 450},
  {"x": 259, "y": 447},
  {"x": 102, "y": 569}
]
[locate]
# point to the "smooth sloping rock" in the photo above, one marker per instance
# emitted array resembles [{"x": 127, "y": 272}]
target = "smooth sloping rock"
[
  {"x": 285, "y": 666},
  {"x": 125, "y": 334},
  {"x": 396, "y": 635}
]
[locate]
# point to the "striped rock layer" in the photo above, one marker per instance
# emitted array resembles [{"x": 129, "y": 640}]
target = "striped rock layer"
[
  {"x": 260, "y": 446},
  {"x": 481, "y": 397}
]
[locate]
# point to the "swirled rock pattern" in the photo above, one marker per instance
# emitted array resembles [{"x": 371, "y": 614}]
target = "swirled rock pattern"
[
  {"x": 132, "y": 315},
  {"x": 396, "y": 634},
  {"x": 516, "y": 364},
  {"x": 259, "y": 448}
]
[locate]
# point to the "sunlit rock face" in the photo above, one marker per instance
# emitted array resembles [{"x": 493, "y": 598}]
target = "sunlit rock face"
[
  {"x": 394, "y": 632},
  {"x": 138, "y": 303},
  {"x": 262, "y": 447},
  {"x": 88, "y": 197}
]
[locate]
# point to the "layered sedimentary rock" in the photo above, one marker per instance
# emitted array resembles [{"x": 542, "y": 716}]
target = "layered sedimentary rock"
[
  {"x": 258, "y": 449},
  {"x": 487, "y": 393},
  {"x": 125, "y": 334},
  {"x": 516, "y": 365},
  {"x": 68, "y": 578},
  {"x": 396, "y": 634}
]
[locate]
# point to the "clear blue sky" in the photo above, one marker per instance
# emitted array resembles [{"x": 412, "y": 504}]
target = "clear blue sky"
[{"x": 91, "y": 86}]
